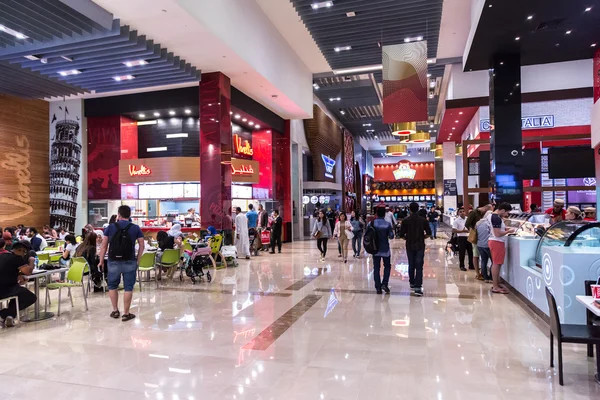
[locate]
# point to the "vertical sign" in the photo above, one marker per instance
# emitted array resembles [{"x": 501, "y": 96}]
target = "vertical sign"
[{"x": 597, "y": 76}]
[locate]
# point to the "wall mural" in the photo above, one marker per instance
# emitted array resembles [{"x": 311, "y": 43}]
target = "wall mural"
[
  {"x": 349, "y": 190},
  {"x": 65, "y": 163}
]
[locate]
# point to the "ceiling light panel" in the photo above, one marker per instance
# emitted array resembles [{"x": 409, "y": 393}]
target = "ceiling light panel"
[
  {"x": 342, "y": 48},
  {"x": 136, "y": 63},
  {"x": 123, "y": 78},
  {"x": 14, "y": 33},
  {"x": 69, "y": 72},
  {"x": 322, "y": 4}
]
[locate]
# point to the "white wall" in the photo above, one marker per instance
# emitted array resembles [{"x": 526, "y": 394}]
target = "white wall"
[
  {"x": 464, "y": 85},
  {"x": 557, "y": 76}
]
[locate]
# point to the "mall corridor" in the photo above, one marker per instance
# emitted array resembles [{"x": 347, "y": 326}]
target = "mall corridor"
[{"x": 289, "y": 327}]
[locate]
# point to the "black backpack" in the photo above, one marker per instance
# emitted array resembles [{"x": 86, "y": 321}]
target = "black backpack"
[
  {"x": 371, "y": 240},
  {"x": 121, "y": 247}
]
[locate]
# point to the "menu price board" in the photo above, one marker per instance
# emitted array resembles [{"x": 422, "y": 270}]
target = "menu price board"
[{"x": 450, "y": 188}]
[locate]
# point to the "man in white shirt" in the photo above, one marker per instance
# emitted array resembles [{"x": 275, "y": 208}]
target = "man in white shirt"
[
  {"x": 389, "y": 217},
  {"x": 458, "y": 227}
]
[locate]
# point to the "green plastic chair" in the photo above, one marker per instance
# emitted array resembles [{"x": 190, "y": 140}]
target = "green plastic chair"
[
  {"x": 169, "y": 260},
  {"x": 43, "y": 258},
  {"x": 188, "y": 246},
  {"x": 59, "y": 243},
  {"x": 147, "y": 264},
  {"x": 79, "y": 267}
]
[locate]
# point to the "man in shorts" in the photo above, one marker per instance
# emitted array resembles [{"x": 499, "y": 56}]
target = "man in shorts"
[
  {"x": 497, "y": 243},
  {"x": 122, "y": 260}
]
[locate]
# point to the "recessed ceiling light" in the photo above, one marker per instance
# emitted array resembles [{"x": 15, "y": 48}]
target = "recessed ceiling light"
[
  {"x": 366, "y": 124},
  {"x": 342, "y": 48},
  {"x": 188, "y": 111},
  {"x": 453, "y": 128},
  {"x": 250, "y": 123},
  {"x": 237, "y": 116},
  {"x": 14, "y": 33},
  {"x": 588, "y": 9},
  {"x": 456, "y": 121},
  {"x": 490, "y": 6},
  {"x": 501, "y": 62},
  {"x": 431, "y": 125},
  {"x": 530, "y": 17},
  {"x": 171, "y": 112},
  {"x": 593, "y": 45},
  {"x": 323, "y": 4},
  {"x": 244, "y": 119},
  {"x": 257, "y": 126},
  {"x": 156, "y": 114},
  {"x": 517, "y": 38},
  {"x": 135, "y": 63},
  {"x": 460, "y": 113},
  {"x": 431, "y": 61},
  {"x": 342, "y": 112},
  {"x": 123, "y": 78},
  {"x": 567, "y": 32},
  {"x": 351, "y": 14},
  {"x": 413, "y": 39},
  {"x": 335, "y": 98},
  {"x": 429, "y": 75},
  {"x": 70, "y": 72},
  {"x": 142, "y": 115},
  {"x": 316, "y": 87}
]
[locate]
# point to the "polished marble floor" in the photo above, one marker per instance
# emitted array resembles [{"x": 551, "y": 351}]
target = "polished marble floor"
[{"x": 289, "y": 327}]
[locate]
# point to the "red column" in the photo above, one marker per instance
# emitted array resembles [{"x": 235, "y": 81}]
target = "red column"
[
  {"x": 129, "y": 139},
  {"x": 263, "y": 153},
  {"x": 215, "y": 151},
  {"x": 104, "y": 152},
  {"x": 282, "y": 177}
]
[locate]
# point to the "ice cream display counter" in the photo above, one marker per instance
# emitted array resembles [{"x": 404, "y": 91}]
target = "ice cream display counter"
[{"x": 566, "y": 254}]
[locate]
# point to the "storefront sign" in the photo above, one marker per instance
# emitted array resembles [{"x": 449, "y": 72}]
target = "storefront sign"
[
  {"x": 163, "y": 169},
  {"x": 305, "y": 199},
  {"x": 314, "y": 199},
  {"x": 404, "y": 171},
  {"x": 18, "y": 161},
  {"x": 244, "y": 169},
  {"x": 534, "y": 122},
  {"x": 329, "y": 164},
  {"x": 242, "y": 146},
  {"x": 139, "y": 171}
]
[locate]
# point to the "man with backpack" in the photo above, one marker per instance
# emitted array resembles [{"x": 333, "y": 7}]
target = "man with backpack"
[
  {"x": 376, "y": 242},
  {"x": 122, "y": 260},
  {"x": 415, "y": 229}
]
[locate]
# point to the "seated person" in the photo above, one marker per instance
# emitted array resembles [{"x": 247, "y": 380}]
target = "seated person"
[
  {"x": 8, "y": 240},
  {"x": 49, "y": 233},
  {"x": 70, "y": 247},
  {"x": 87, "y": 249},
  {"x": 13, "y": 269},
  {"x": 62, "y": 233},
  {"x": 38, "y": 243}
]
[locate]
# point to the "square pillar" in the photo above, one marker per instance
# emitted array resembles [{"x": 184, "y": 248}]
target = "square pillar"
[
  {"x": 505, "y": 136},
  {"x": 215, "y": 151}
]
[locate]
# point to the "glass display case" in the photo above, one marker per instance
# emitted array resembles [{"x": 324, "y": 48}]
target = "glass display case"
[
  {"x": 569, "y": 234},
  {"x": 527, "y": 223}
]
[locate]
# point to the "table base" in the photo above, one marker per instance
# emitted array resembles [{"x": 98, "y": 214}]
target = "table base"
[{"x": 43, "y": 315}]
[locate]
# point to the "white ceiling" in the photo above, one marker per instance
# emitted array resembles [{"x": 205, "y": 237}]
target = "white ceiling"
[
  {"x": 454, "y": 28},
  {"x": 285, "y": 18},
  {"x": 169, "y": 23}
]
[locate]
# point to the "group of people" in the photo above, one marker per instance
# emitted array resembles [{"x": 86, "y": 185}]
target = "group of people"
[
  {"x": 255, "y": 222},
  {"x": 558, "y": 212},
  {"x": 337, "y": 226}
]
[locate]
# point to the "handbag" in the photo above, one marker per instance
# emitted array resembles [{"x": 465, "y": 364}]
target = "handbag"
[
  {"x": 349, "y": 233},
  {"x": 318, "y": 234},
  {"x": 472, "y": 236}
]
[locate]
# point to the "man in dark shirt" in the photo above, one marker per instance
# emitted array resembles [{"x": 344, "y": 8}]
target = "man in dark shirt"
[
  {"x": 433, "y": 217},
  {"x": 13, "y": 268},
  {"x": 415, "y": 229},
  {"x": 122, "y": 264},
  {"x": 276, "y": 232},
  {"x": 385, "y": 232}
]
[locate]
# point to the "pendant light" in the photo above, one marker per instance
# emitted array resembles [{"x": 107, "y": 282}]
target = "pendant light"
[
  {"x": 396, "y": 150},
  {"x": 404, "y": 129}
]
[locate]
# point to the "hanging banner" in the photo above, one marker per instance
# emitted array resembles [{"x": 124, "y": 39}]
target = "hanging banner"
[
  {"x": 597, "y": 76},
  {"x": 65, "y": 164},
  {"x": 405, "y": 82}
]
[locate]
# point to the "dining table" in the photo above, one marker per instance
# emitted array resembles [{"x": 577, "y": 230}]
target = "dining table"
[
  {"x": 594, "y": 307},
  {"x": 37, "y": 314}
]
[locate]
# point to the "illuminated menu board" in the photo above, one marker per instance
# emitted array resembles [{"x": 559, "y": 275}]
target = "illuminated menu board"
[{"x": 169, "y": 191}]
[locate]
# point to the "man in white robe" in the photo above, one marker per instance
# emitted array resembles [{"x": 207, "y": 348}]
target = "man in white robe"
[{"x": 242, "y": 241}]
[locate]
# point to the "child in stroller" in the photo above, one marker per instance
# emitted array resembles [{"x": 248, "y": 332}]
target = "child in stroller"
[{"x": 197, "y": 259}]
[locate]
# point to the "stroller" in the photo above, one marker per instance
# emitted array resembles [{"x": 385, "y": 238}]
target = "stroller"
[
  {"x": 255, "y": 241},
  {"x": 200, "y": 257}
]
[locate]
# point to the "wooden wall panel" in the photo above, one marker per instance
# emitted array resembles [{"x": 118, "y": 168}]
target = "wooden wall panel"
[
  {"x": 323, "y": 137},
  {"x": 24, "y": 162}
]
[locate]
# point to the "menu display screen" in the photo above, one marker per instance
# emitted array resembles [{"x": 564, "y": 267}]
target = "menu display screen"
[{"x": 169, "y": 191}]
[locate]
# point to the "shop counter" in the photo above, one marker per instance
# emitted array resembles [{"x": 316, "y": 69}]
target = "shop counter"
[
  {"x": 152, "y": 231},
  {"x": 448, "y": 219},
  {"x": 532, "y": 264}
]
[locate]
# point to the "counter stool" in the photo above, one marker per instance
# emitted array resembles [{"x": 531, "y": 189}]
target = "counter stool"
[{"x": 8, "y": 300}]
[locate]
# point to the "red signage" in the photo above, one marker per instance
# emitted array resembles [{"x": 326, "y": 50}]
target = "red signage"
[
  {"x": 142, "y": 171},
  {"x": 243, "y": 169},
  {"x": 242, "y": 146}
]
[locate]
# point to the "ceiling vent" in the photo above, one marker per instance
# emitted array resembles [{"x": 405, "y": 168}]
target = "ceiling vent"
[{"x": 552, "y": 24}]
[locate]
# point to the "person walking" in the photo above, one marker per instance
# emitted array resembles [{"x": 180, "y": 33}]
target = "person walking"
[
  {"x": 483, "y": 235},
  {"x": 242, "y": 240},
  {"x": 322, "y": 232},
  {"x": 343, "y": 231},
  {"x": 474, "y": 217},
  {"x": 415, "y": 229},
  {"x": 276, "y": 229},
  {"x": 385, "y": 232},
  {"x": 122, "y": 260},
  {"x": 358, "y": 225},
  {"x": 497, "y": 243},
  {"x": 252, "y": 217},
  {"x": 464, "y": 247},
  {"x": 433, "y": 217}
]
